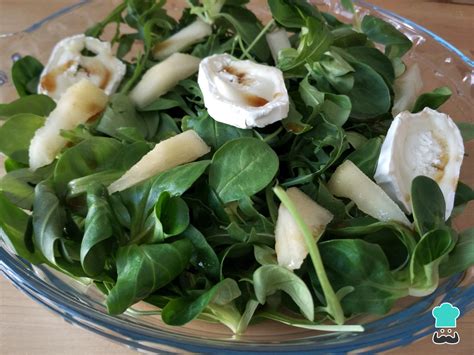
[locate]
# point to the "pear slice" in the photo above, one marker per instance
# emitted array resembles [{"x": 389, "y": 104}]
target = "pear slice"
[
  {"x": 162, "y": 77},
  {"x": 180, "y": 149},
  {"x": 350, "y": 182},
  {"x": 77, "y": 105},
  {"x": 277, "y": 40},
  {"x": 290, "y": 245},
  {"x": 182, "y": 39}
]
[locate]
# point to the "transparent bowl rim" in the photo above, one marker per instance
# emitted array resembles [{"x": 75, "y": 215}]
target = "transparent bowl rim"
[{"x": 390, "y": 332}]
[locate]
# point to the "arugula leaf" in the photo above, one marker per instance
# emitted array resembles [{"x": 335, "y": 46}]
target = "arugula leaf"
[
  {"x": 315, "y": 39},
  {"x": 377, "y": 30},
  {"x": 183, "y": 310},
  {"x": 98, "y": 230},
  {"x": 242, "y": 167},
  {"x": 268, "y": 279},
  {"x": 14, "y": 224},
  {"x": 248, "y": 27},
  {"x": 432, "y": 99},
  {"x": 49, "y": 219},
  {"x": 292, "y": 14},
  {"x": 143, "y": 269},
  {"x": 212, "y": 132},
  {"x": 428, "y": 204},
  {"x": 16, "y": 134},
  {"x": 25, "y": 75},
  {"x": 40, "y": 105}
]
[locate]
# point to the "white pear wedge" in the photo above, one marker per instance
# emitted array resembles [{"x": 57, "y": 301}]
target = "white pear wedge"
[
  {"x": 188, "y": 36},
  {"x": 180, "y": 149},
  {"x": 162, "y": 77},
  {"x": 350, "y": 182},
  {"x": 290, "y": 245},
  {"x": 76, "y": 106}
]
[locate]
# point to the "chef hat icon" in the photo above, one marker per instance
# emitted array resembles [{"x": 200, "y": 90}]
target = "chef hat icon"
[{"x": 445, "y": 315}]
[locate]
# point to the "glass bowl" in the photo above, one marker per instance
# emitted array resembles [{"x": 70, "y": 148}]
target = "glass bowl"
[{"x": 82, "y": 304}]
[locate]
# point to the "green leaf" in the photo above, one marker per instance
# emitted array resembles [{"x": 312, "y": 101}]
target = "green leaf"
[
  {"x": 13, "y": 230},
  {"x": 204, "y": 257},
  {"x": 467, "y": 130},
  {"x": 25, "y": 75},
  {"x": 49, "y": 219},
  {"x": 364, "y": 267},
  {"x": 345, "y": 37},
  {"x": 17, "y": 185},
  {"x": 374, "y": 59},
  {"x": 81, "y": 185},
  {"x": 329, "y": 202},
  {"x": 306, "y": 324},
  {"x": 294, "y": 121},
  {"x": 94, "y": 155},
  {"x": 183, "y": 310},
  {"x": 98, "y": 230},
  {"x": 269, "y": 279},
  {"x": 428, "y": 204},
  {"x": 348, "y": 5},
  {"x": 336, "y": 109},
  {"x": 264, "y": 255},
  {"x": 121, "y": 113},
  {"x": 366, "y": 156},
  {"x": 315, "y": 39},
  {"x": 292, "y": 14},
  {"x": 40, "y": 105},
  {"x": 432, "y": 99},
  {"x": 169, "y": 218},
  {"x": 461, "y": 257},
  {"x": 310, "y": 95},
  {"x": 424, "y": 265},
  {"x": 144, "y": 269},
  {"x": 370, "y": 95},
  {"x": 242, "y": 167},
  {"x": 16, "y": 134},
  {"x": 464, "y": 194},
  {"x": 248, "y": 27},
  {"x": 377, "y": 30},
  {"x": 212, "y": 132}
]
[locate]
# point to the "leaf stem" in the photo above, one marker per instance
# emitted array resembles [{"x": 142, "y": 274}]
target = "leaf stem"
[
  {"x": 255, "y": 41},
  {"x": 334, "y": 306}
]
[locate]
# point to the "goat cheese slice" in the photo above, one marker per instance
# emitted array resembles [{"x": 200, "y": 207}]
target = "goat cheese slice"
[
  {"x": 242, "y": 93},
  {"x": 67, "y": 66},
  {"x": 426, "y": 143},
  {"x": 406, "y": 89}
]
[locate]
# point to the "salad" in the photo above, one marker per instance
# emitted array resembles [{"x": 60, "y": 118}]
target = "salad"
[{"x": 231, "y": 171}]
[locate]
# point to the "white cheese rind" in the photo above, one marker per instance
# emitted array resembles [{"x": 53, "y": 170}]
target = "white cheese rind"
[
  {"x": 77, "y": 105},
  {"x": 177, "y": 150},
  {"x": 277, "y": 40},
  {"x": 67, "y": 66},
  {"x": 426, "y": 143},
  {"x": 186, "y": 37},
  {"x": 242, "y": 93},
  {"x": 350, "y": 182},
  {"x": 406, "y": 89},
  {"x": 290, "y": 245},
  {"x": 162, "y": 77}
]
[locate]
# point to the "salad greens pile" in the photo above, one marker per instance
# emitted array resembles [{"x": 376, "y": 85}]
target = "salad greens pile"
[{"x": 197, "y": 241}]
